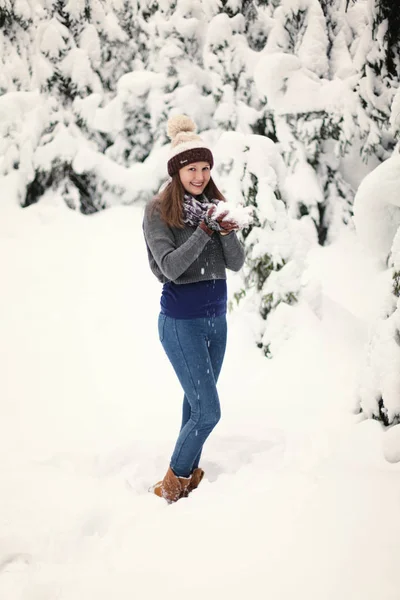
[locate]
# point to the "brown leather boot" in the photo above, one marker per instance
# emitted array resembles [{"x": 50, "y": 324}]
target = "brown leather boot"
[
  {"x": 194, "y": 483},
  {"x": 171, "y": 488}
]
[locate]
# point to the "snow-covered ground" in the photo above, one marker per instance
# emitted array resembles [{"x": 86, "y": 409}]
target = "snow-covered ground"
[{"x": 298, "y": 502}]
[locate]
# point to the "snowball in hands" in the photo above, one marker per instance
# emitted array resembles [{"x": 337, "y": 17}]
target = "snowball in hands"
[{"x": 242, "y": 215}]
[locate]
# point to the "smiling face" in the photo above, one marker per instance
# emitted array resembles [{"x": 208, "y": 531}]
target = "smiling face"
[{"x": 195, "y": 176}]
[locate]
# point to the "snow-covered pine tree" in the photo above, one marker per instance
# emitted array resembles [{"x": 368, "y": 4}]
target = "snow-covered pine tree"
[
  {"x": 176, "y": 46},
  {"x": 16, "y": 21},
  {"x": 377, "y": 220},
  {"x": 376, "y": 58},
  {"x": 309, "y": 136},
  {"x": 230, "y": 62},
  {"x": 88, "y": 29},
  {"x": 70, "y": 75},
  {"x": 128, "y": 49},
  {"x": 126, "y": 116},
  {"x": 386, "y": 10},
  {"x": 252, "y": 173},
  {"x": 248, "y": 164},
  {"x": 22, "y": 70},
  {"x": 132, "y": 112},
  {"x": 258, "y": 23},
  {"x": 59, "y": 50},
  {"x": 171, "y": 79},
  {"x": 295, "y": 78}
]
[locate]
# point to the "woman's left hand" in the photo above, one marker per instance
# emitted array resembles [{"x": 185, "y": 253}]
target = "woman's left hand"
[
  {"x": 226, "y": 225},
  {"x": 220, "y": 224}
]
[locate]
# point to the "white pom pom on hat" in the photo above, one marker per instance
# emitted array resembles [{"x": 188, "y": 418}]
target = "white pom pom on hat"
[
  {"x": 180, "y": 123},
  {"x": 186, "y": 146}
]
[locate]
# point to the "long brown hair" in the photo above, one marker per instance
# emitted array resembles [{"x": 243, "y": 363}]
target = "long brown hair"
[{"x": 170, "y": 201}]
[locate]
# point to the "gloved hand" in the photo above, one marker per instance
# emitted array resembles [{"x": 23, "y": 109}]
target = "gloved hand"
[
  {"x": 226, "y": 225},
  {"x": 205, "y": 225},
  {"x": 209, "y": 225},
  {"x": 217, "y": 223}
]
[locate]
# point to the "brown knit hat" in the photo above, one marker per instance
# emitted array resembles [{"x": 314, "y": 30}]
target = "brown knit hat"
[{"x": 186, "y": 146}]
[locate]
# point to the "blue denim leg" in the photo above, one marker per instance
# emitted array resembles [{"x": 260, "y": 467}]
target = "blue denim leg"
[
  {"x": 216, "y": 357},
  {"x": 196, "y": 349}
]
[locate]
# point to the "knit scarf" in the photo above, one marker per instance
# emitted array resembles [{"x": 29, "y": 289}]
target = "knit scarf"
[{"x": 195, "y": 209}]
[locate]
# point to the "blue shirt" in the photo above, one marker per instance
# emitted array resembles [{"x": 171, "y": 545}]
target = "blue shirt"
[{"x": 194, "y": 300}]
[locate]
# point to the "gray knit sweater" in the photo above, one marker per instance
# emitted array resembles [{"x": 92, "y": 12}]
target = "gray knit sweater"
[{"x": 188, "y": 255}]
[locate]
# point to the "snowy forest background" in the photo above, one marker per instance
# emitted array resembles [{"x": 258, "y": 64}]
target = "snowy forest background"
[{"x": 299, "y": 100}]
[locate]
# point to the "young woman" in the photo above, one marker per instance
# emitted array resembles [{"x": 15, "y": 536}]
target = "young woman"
[{"x": 189, "y": 249}]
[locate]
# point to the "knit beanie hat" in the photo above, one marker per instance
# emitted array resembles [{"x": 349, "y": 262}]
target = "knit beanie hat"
[{"x": 186, "y": 146}]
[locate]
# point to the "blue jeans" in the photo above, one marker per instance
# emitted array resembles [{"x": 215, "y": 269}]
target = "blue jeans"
[{"x": 195, "y": 348}]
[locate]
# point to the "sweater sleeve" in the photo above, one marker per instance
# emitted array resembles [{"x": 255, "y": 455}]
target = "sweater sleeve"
[
  {"x": 233, "y": 251},
  {"x": 172, "y": 261}
]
